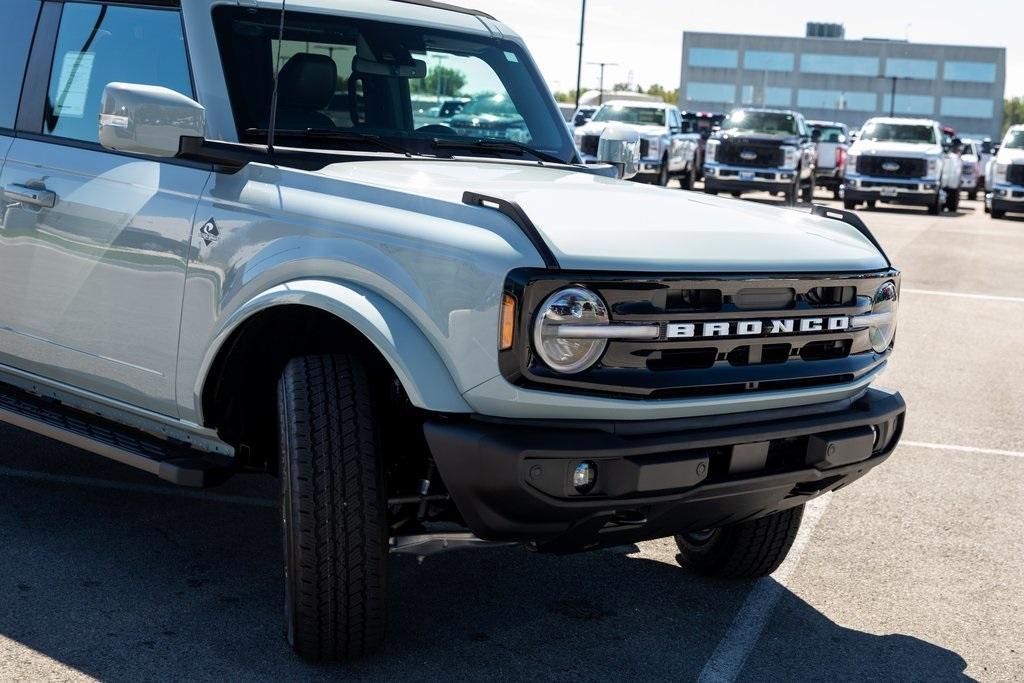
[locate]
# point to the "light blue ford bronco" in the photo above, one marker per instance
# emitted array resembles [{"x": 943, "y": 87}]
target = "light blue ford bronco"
[{"x": 241, "y": 238}]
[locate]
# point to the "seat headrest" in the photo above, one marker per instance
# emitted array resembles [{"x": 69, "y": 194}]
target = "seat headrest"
[{"x": 307, "y": 81}]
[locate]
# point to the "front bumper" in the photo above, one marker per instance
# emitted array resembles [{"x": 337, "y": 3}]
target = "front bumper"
[
  {"x": 724, "y": 178},
  {"x": 511, "y": 480},
  {"x": 919, "y": 191},
  {"x": 1007, "y": 198}
]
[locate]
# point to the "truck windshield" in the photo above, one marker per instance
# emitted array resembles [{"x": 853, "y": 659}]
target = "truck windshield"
[
  {"x": 641, "y": 116},
  {"x": 770, "y": 122},
  {"x": 346, "y": 83},
  {"x": 1014, "y": 140},
  {"x": 899, "y": 132}
]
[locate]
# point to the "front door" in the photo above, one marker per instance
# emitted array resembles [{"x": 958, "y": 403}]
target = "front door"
[{"x": 94, "y": 244}]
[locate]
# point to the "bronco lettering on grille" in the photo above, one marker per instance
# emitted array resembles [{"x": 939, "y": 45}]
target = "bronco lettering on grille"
[{"x": 753, "y": 328}]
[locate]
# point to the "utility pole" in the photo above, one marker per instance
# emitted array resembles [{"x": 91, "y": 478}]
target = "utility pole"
[
  {"x": 579, "y": 59},
  {"x": 600, "y": 88},
  {"x": 892, "y": 98}
]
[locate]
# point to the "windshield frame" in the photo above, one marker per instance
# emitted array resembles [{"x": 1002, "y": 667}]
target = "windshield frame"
[
  {"x": 521, "y": 81},
  {"x": 764, "y": 116}
]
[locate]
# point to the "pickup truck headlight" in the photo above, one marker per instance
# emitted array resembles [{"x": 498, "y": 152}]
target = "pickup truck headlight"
[
  {"x": 654, "y": 147},
  {"x": 934, "y": 166},
  {"x": 881, "y": 322},
  {"x": 710, "y": 150},
  {"x": 792, "y": 155},
  {"x": 566, "y": 331},
  {"x": 1000, "y": 173},
  {"x": 851, "y": 163}
]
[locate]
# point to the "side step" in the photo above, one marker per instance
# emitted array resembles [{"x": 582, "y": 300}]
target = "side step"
[{"x": 172, "y": 461}]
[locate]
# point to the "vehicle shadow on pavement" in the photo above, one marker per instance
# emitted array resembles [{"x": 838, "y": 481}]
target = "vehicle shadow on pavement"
[{"x": 128, "y": 585}]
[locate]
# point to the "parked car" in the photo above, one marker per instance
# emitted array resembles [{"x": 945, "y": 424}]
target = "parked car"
[
  {"x": 903, "y": 161},
  {"x": 665, "y": 151},
  {"x": 762, "y": 150},
  {"x": 1007, "y": 195},
  {"x": 435, "y": 339},
  {"x": 972, "y": 177},
  {"x": 833, "y": 142},
  {"x": 704, "y": 124}
]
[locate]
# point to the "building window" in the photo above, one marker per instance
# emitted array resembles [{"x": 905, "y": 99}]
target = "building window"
[
  {"x": 968, "y": 107},
  {"x": 976, "y": 72},
  {"x": 718, "y": 93},
  {"x": 767, "y": 96},
  {"x": 839, "y": 65},
  {"x": 714, "y": 58},
  {"x": 911, "y": 68},
  {"x": 837, "y": 100},
  {"x": 768, "y": 61},
  {"x": 909, "y": 104}
]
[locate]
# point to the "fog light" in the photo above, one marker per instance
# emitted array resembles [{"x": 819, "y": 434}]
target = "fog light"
[{"x": 584, "y": 476}]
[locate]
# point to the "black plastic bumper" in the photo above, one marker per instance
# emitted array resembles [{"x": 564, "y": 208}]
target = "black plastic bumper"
[
  {"x": 729, "y": 184},
  {"x": 513, "y": 481},
  {"x": 1008, "y": 206},
  {"x": 913, "y": 198}
]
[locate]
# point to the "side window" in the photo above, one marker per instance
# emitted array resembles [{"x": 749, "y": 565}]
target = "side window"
[
  {"x": 16, "y": 29},
  {"x": 101, "y": 44}
]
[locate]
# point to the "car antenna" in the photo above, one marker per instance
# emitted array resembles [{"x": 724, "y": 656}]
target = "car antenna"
[{"x": 277, "y": 76}]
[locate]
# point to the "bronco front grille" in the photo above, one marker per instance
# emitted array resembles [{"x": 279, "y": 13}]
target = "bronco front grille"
[
  {"x": 672, "y": 366},
  {"x": 892, "y": 167}
]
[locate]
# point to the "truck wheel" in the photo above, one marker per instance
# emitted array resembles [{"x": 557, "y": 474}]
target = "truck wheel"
[
  {"x": 935, "y": 208},
  {"x": 952, "y": 200},
  {"x": 686, "y": 180},
  {"x": 998, "y": 214},
  {"x": 332, "y": 509},
  {"x": 792, "y": 192},
  {"x": 972, "y": 195},
  {"x": 663, "y": 173},
  {"x": 741, "y": 551},
  {"x": 849, "y": 204}
]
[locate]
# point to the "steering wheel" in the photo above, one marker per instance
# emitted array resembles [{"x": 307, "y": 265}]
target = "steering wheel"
[{"x": 436, "y": 128}]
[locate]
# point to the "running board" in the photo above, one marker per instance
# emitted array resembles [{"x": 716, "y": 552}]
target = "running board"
[{"x": 172, "y": 461}]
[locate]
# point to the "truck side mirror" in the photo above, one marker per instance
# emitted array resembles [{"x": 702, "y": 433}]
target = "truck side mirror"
[
  {"x": 620, "y": 147},
  {"x": 148, "y": 119}
]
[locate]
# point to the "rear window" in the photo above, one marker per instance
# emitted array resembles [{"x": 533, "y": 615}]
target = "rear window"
[{"x": 16, "y": 29}]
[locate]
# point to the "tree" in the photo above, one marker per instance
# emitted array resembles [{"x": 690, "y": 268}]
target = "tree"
[
  {"x": 565, "y": 96},
  {"x": 670, "y": 96},
  {"x": 1013, "y": 112},
  {"x": 440, "y": 80}
]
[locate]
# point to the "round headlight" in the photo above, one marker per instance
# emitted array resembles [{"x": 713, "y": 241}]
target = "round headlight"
[
  {"x": 883, "y": 311},
  {"x": 553, "y": 336}
]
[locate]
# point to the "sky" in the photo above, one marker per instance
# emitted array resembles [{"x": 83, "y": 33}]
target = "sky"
[{"x": 645, "y": 36}]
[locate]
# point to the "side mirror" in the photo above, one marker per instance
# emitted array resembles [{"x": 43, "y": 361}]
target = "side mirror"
[
  {"x": 620, "y": 147},
  {"x": 148, "y": 119}
]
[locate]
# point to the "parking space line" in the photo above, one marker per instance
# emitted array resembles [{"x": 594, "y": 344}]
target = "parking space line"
[
  {"x": 92, "y": 482},
  {"x": 732, "y": 651},
  {"x": 964, "y": 295},
  {"x": 961, "y": 449}
]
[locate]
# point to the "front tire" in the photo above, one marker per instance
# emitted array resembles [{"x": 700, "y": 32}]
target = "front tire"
[
  {"x": 935, "y": 208},
  {"x": 741, "y": 551},
  {"x": 663, "y": 176},
  {"x": 998, "y": 214},
  {"x": 952, "y": 200},
  {"x": 686, "y": 180},
  {"x": 972, "y": 195},
  {"x": 332, "y": 509}
]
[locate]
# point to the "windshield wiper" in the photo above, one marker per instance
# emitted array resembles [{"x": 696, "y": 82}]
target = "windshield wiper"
[
  {"x": 333, "y": 136},
  {"x": 488, "y": 145}
]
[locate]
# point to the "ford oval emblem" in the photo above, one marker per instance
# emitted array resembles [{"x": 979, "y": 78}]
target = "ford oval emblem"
[
  {"x": 890, "y": 166},
  {"x": 748, "y": 155}
]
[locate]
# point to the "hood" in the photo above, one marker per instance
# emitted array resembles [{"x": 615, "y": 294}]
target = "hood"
[
  {"x": 895, "y": 149},
  {"x": 1010, "y": 156},
  {"x": 597, "y": 128},
  {"x": 596, "y": 223}
]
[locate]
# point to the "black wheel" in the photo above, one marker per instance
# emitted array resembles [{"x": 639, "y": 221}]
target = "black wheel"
[
  {"x": 849, "y": 204},
  {"x": 741, "y": 551},
  {"x": 872, "y": 203},
  {"x": 998, "y": 214},
  {"x": 686, "y": 180},
  {"x": 835, "y": 194},
  {"x": 972, "y": 195},
  {"x": 807, "y": 194},
  {"x": 708, "y": 190},
  {"x": 952, "y": 200},
  {"x": 792, "y": 192},
  {"x": 332, "y": 509},
  {"x": 737, "y": 195},
  {"x": 663, "y": 173},
  {"x": 935, "y": 208}
]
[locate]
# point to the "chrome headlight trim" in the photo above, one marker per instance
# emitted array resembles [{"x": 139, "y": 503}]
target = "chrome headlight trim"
[{"x": 567, "y": 308}]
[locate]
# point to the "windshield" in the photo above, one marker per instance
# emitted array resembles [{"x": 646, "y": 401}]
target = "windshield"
[
  {"x": 353, "y": 81},
  {"x": 770, "y": 122},
  {"x": 899, "y": 132},
  {"x": 642, "y": 116},
  {"x": 967, "y": 149},
  {"x": 1014, "y": 139},
  {"x": 830, "y": 133}
]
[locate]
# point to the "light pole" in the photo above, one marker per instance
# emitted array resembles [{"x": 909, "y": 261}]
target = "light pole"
[
  {"x": 600, "y": 87},
  {"x": 892, "y": 93},
  {"x": 579, "y": 58}
]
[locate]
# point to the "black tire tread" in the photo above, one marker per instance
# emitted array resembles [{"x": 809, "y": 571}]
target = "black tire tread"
[
  {"x": 746, "y": 550},
  {"x": 334, "y": 499}
]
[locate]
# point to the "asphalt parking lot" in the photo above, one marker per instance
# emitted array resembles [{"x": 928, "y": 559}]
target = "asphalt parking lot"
[{"x": 914, "y": 573}]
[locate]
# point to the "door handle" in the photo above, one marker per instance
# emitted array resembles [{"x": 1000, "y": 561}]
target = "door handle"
[{"x": 33, "y": 196}]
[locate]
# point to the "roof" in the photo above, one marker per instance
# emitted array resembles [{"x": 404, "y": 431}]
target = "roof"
[
  {"x": 837, "y": 124},
  {"x": 903, "y": 120},
  {"x": 638, "y": 104}
]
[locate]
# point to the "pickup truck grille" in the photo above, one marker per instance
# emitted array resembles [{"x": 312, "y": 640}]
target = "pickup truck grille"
[
  {"x": 1015, "y": 174},
  {"x": 672, "y": 367},
  {"x": 588, "y": 144},
  {"x": 892, "y": 167},
  {"x": 736, "y": 153}
]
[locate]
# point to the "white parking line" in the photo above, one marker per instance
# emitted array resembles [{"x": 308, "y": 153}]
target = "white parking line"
[
  {"x": 964, "y": 295},
  {"x": 135, "y": 488},
  {"x": 961, "y": 449},
  {"x": 726, "y": 662}
]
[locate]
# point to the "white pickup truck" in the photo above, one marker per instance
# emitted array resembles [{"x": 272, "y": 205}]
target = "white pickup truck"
[
  {"x": 903, "y": 161},
  {"x": 1008, "y": 176}
]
